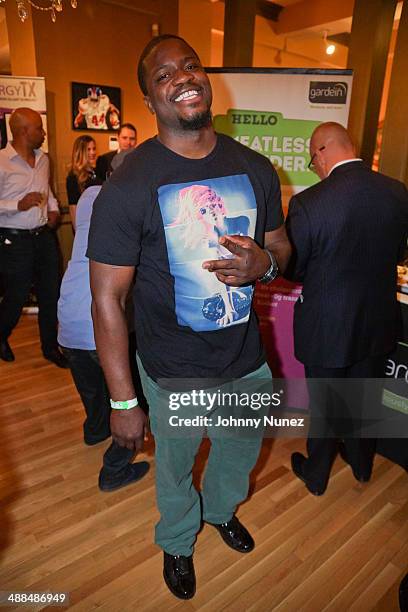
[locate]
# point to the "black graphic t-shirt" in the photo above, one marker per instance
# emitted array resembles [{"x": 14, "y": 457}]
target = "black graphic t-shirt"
[{"x": 164, "y": 214}]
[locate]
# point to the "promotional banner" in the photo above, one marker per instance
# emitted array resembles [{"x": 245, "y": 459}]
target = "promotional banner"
[
  {"x": 395, "y": 393},
  {"x": 274, "y": 112},
  {"x": 21, "y": 91}
]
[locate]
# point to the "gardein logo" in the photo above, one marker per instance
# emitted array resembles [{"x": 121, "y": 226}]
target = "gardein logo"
[{"x": 327, "y": 92}]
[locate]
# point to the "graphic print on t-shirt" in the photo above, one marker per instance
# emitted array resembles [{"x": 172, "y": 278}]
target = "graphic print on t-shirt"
[{"x": 195, "y": 215}]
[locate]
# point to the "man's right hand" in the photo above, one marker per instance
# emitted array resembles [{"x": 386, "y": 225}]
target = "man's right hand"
[
  {"x": 129, "y": 428},
  {"x": 30, "y": 199}
]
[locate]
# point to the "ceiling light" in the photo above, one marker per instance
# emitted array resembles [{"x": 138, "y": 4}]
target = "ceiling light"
[
  {"x": 330, "y": 47},
  {"x": 51, "y": 6}
]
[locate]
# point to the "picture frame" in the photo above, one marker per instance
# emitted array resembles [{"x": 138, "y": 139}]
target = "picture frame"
[{"x": 95, "y": 107}]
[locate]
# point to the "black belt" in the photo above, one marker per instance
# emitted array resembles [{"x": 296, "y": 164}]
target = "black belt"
[{"x": 11, "y": 231}]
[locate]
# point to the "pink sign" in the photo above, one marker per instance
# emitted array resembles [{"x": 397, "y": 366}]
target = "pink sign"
[{"x": 274, "y": 306}]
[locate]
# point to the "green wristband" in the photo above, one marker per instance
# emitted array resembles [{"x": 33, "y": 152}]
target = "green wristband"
[{"x": 126, "y": 405}]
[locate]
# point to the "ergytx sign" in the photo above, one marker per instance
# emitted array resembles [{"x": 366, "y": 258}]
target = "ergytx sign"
[
  {"x": 328, "y": 92},
  {"x": 22, "y": 89}
]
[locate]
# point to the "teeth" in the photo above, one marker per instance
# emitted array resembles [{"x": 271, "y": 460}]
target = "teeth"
[{"x": 187, "y": 94}]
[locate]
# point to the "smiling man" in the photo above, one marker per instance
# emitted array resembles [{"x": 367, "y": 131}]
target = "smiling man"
[{"x": 199, "y": 216}]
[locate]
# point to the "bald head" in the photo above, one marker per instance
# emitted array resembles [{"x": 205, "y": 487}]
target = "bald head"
[
  {"x": 21, "y": 118},
  {"x": 330, "y": 143},
  {"x": 334, "y": 132},
  {"x": 26, "y": 128}
]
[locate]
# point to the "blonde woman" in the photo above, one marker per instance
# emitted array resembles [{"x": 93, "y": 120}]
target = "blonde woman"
[{"x": 82, "y": 171}]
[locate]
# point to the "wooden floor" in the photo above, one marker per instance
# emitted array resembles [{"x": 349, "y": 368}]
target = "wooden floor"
[{"x": 345, "y": 551}]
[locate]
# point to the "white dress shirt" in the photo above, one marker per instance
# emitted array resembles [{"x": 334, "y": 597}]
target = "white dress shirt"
[{"x": 17, "y": 178}]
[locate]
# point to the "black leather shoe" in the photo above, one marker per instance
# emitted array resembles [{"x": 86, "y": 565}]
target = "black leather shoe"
[
  {"x": 359, "y": 476},
  {"x": 297, "y": 461},
  {"x": 235, "y": 535},
  {"x": 5, "y": 351},
  {"x": 403, "y": 594},
  {"x": 133, "y": 473},
  {"x": 57, "y": 357},
  {"x": 179, "y": 575}
]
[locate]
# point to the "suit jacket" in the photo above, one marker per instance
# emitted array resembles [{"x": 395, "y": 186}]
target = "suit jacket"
[
  {"x": 348, "y": 232},
  {"x": 103, "y": 165}
]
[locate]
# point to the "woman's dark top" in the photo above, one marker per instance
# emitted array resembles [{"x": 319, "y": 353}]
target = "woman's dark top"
[{"x": 73, "y": 190}]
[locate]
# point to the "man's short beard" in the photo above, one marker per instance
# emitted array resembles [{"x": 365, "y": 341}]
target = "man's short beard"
[{"x": 198, "y": 122}]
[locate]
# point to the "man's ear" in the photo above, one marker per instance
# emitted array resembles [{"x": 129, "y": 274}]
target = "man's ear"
[
  {"x": 323, "y": 166},
  {"x": 149, "y": 105}
]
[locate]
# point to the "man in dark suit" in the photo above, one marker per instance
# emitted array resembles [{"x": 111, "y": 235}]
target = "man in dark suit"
[
  {"x": 127, "y": 139},
  {"x": 347, "y": 232}
]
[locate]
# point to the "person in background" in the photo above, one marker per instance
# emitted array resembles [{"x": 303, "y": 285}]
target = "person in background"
[
  {"x": 82, "y": 171},
  {"x": 348, "y": 233},
  {"x": 127, "y": 139},
  {"x": 76, "y": 338},
  {"x": 29, "y": 252}
]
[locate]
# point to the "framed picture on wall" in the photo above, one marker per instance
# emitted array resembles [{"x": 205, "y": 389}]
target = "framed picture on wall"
[{"x": 95, "y": 107}]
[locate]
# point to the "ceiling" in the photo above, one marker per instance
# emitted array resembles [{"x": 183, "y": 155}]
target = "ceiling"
[{"x": 333, "y": 28}]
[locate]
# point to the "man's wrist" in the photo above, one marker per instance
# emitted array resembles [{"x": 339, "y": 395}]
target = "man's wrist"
[
  {"x": 272, "y": 271},
  {"x": 124, "y": 404},
  {"x": 267, "y": 263}
]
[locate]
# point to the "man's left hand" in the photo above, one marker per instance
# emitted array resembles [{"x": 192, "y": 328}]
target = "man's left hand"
[
  {"x": 53, "y": 218},
  {"x": 249, "y": 262}
]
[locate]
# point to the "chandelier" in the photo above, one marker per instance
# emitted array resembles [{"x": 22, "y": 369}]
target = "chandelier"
[{"x": 48, "y": 6}]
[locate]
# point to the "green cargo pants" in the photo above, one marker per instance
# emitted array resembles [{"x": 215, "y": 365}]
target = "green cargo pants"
[{"x": 234, "y": 452}]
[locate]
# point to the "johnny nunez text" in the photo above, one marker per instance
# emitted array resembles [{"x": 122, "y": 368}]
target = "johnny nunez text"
[{"x": 230, "y": 421}]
